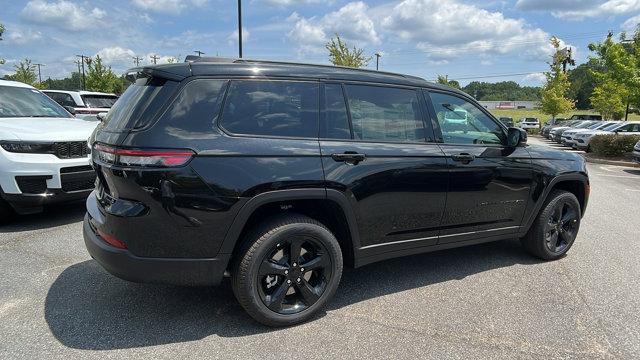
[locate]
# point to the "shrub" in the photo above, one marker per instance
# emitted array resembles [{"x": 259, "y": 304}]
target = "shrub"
[{"x": 613, "y": 145}]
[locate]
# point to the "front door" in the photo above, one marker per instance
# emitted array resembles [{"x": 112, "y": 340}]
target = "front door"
[
  {"x": 489, "y": 182},
  {"x": 377, "y": 151}
]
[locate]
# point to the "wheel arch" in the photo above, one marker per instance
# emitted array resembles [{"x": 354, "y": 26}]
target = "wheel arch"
[
  {"x": 330, "y": 207},
  {"x": 576, "y": 183}
]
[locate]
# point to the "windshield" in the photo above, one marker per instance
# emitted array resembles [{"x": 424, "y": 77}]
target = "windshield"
[
  {"x": 27, "y": 102},
  {"x": 99, "y": 101},
  {"x": 584, "y": 125},
  {"x": 530, "y": 120},
  {"x": 594, "y": 126},
  {"x": 610, "y": 126}
]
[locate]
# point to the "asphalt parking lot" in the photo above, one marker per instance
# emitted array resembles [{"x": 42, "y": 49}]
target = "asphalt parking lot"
[{"x": 485, "y": 301}]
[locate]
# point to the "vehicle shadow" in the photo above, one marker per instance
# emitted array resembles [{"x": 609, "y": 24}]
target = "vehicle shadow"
[
  {"x": 632, "y": 171},
  {"x": 52, "y": 216},
  {"x": 86, "y": 308}
]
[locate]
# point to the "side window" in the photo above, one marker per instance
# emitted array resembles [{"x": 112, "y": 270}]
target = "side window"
[
  {"x": 271, "y": 108},
  {"x": 385, "y": 114},
  {"x": 461, "y": 122},
  {"x": 630, "y": 128},
  {"x": 196, "y": 107},
  {"x": 62, "y": 99},
  {"x": 336, "y": 121}
]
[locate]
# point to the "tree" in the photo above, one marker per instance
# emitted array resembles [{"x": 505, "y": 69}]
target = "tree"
[
  {"x": 554, "y": 99},
  {"x": 583, "y": 83},
  {"x": 100, "y": 77},
  {"x": 502, "y": 91},
  {"x": 340, "y": 55},
  {"x": 25, "y": 72},
  {"x": 444, "y": 80},
  {"x": 610, "y": 99},
  {"x": 1, "y": 32},
  {"x": 620, "y": 67}
]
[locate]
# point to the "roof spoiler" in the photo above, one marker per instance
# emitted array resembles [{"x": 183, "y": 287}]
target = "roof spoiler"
[{"x": 135, "y": 73}]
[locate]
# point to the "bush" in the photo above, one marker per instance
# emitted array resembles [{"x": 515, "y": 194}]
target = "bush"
[{"x": 613, "y": 145}]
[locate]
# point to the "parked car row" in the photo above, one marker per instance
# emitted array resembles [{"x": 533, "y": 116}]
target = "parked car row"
[
  {"x": 578, "y": 133},
  {"x": 636, "y": 152}
]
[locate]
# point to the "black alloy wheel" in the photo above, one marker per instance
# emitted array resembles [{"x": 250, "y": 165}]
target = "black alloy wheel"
[
  {"x": 554, "y": 230},
  {"x": 561, "y": 228},
  {"x": 287, "y": 269},
  {"x": 293, "y": 275}
]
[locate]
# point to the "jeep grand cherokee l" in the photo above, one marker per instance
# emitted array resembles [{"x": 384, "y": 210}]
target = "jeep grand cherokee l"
[{"x": 278, "y": 174}]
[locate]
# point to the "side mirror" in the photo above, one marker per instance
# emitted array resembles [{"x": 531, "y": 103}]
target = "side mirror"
[
  {"x": 70, "y": 109},
  {"x": 101, "y": 116},
  {"x": 516, "y": 137}
]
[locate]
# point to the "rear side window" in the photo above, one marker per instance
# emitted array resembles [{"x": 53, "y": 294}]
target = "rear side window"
[
  {"x": 196, "y": 107},
  {"x": 336, "y": 120},
  {"x": 99, "y": 101},
  {"x": 62, "y": 98},
  {"x": 140, "y": 104},
  {"x": 271, "y": 108},
  {"x": 385, "y": 114}
]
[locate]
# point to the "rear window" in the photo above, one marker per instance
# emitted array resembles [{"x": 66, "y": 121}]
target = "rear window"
[
  {"x": 99, "y": 101},
  {"x": 271, "y": 108},
  {"x": 139, "y": 104}
]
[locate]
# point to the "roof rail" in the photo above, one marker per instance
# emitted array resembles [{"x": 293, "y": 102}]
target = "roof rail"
[{"x": 195, "y": 58}]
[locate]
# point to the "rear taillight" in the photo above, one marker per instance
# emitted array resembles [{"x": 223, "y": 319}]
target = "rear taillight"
[{"x": 141, "y": 157}]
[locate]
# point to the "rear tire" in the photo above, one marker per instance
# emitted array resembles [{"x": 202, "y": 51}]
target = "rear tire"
[
  {"x": 555, "y": 228},
  {"x": 288, "y": 269}
]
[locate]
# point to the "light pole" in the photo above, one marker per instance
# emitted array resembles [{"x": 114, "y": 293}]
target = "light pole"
[
  {"x": 39, "y": 73},
  {"x": 240, "y": 29},
  {"x": 377, "y": 59},
  {"x": 84, "y": 82}
]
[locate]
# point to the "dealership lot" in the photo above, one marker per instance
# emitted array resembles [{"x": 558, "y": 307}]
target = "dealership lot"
[{"x": 484, "y": 301}]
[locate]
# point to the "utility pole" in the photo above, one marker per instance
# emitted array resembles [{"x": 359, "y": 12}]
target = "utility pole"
[
  {"x": 155, "y": 58},
  {"x": 39, "y": 73},
  {"x": 199, "y": 52},
  {"x": 240, "y": 29},
  {"x": 136, "y": 59},
  {"x": 84, "y": 81},
  {"x": 377, "y": 59}
]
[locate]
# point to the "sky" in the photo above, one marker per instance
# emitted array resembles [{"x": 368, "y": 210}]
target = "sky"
[{"x": 483, "y": 40}]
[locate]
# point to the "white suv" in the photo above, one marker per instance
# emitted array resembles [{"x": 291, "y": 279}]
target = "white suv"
[
  {"x": 83, "y": 102},
  {"x": 582, "y": 141},
  {"x": 44, "y": 155}
]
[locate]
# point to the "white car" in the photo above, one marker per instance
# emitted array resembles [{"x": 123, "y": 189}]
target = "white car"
[
  {"x": 567, "y": 137},
  {"x": 83, "y": 102},
  {"x": 44, "y": 156},
  {"x": 583, "y": 139},
  {"x": 529, "y": 123}
]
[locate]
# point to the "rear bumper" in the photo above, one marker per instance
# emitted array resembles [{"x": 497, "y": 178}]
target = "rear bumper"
[{"x": 176, "y": 271}]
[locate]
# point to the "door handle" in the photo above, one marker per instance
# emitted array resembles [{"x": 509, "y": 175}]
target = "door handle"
[
  {"x": 464, "y": 158},
  {"x": 350, "y": 157}
]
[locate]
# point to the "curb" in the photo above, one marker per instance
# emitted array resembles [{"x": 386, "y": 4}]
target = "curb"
[{"x": 611, "y": 162}]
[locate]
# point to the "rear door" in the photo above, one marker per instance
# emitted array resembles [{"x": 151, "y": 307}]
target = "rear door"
[
  {"x": 489, "y": 182},
  {"x": 379, "y": 152}
]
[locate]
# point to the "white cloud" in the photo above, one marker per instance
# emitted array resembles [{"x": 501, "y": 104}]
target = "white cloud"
[
  {"x": 284, "y": 3},
  {"x": 20, "y": 37},
  {"x": 449, "y": 29},
  {"x": 63, "y": 14},
  {"x": 535, "y": 78},
  {"x": 174, "y": 7},
  {"x": 351, "y": 22},
  {"x": 631, "y": 24},
  {"x": 233, "y": 37},
  {"x": 579, "y": 9},
  {"x": 116, "y": 55}
]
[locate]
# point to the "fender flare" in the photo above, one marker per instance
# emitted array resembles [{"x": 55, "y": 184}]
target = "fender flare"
[
  {"x": 584, "y": 179},
  {"x": 232, "y": 235}
]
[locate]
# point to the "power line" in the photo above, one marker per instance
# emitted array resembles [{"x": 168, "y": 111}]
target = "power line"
[
  {"x": 84, "y": 82},
  {"x": 154, "y": 58},
  {"x": 136, "y": 59}
]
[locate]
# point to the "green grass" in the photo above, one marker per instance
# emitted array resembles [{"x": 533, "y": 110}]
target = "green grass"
[{"x": 520, "y": 113}]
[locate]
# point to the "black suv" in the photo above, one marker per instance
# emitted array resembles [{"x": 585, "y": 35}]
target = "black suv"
[{"x": 277, "y": 174}]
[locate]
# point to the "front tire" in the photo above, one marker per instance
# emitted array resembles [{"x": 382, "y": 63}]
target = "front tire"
[
  {"x": 288, "y": 269},
  {"x": 556, "y": 227}
]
